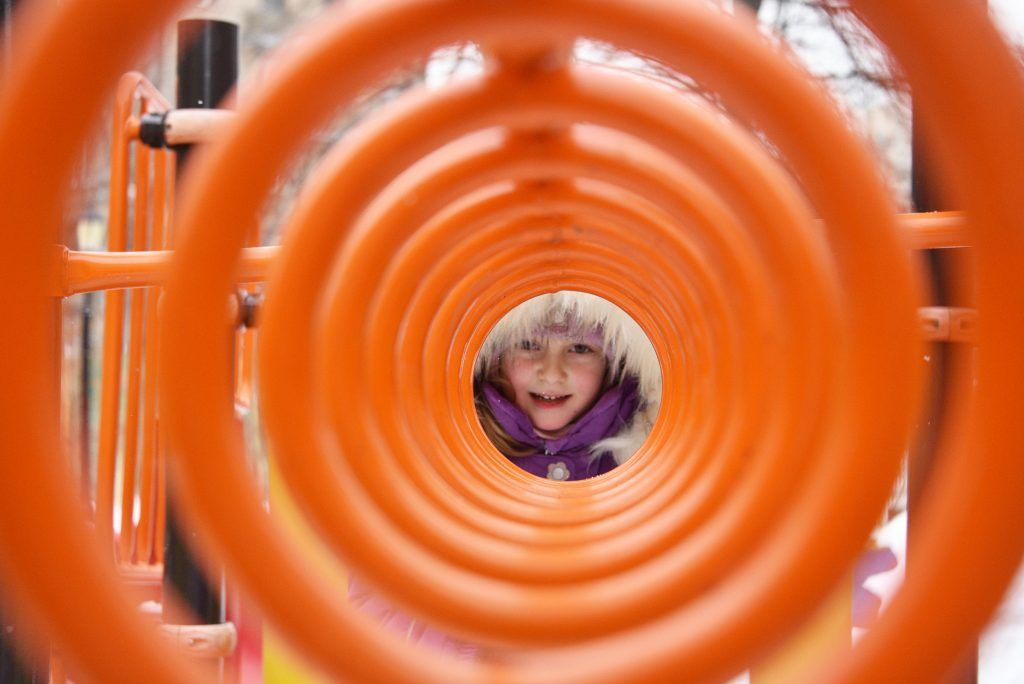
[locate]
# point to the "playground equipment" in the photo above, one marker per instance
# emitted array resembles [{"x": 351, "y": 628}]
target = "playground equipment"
[{"x": 789, "y": 345}]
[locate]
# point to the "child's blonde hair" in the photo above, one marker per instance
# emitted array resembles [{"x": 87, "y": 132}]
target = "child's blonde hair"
[{"x": 577, "y": 314}]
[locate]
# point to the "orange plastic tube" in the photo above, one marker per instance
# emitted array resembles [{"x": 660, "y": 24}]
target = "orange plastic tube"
[
  {"x": 399, "y": 220},
  {"x": 965, "y": 561},
  {"x": 549, "y": 528},
  {"x": 464, "y": 255},
  {"x": 477, "y": 244},
  {"x": 136, "y": 313},
  {"x": 342, "y": 200},
  {"x": 836, "y": 535},
  {"x": 396, "y": 146},
  {"x": 560, "y": 564},
  {"x": 477, "y": 171}
]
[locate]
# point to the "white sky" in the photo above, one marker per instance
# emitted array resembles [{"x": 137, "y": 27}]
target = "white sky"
[{"x": 1010, "y": 15}]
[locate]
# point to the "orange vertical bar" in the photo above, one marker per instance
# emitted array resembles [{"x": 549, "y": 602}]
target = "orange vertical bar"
[
  {"x": 147, "y": 484},
  {"x": 130, "y": 432},
  {"x": 160, "y": 527},
  {"x": 113, "y": 320},
  {"x": 135, "y": 325}
]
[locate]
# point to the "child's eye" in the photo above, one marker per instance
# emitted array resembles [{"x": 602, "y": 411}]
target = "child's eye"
[
  {"x": 529, "y": 345},
  {"x": 581, "y": 348}
]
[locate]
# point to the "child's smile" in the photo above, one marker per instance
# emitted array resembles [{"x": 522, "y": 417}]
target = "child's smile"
[{"x": 550, "y": 401}]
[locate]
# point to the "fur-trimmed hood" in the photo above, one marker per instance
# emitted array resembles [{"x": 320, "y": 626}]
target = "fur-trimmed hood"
[{"x": 627, "y": 347}]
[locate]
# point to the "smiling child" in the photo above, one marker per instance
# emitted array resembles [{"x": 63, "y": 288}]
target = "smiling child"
[{"x": 567, "y": 386}]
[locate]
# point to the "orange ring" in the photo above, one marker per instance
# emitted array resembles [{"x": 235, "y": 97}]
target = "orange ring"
[
  {"x": 430, "y": 191},
  {"x": 659, "y": 594},
  {"x": 959, "y": 89},
  {"x": 333, "y": 210},
  {"x": 331, "y": 216},
  {"x": 42, "y": 534},
  {"x": 406, "y": 218},
  {"x": 556, "y": 517},
  {"x": 803, "y": 587},
  {"x": 988, "y": 485},
  {"x": 336, "y": 201}
]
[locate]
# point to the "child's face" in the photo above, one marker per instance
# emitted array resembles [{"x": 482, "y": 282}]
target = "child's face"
[{"x": 555, "y": 380}]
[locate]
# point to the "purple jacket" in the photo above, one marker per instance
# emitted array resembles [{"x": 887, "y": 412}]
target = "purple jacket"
[{"x": 568, "y": 457}]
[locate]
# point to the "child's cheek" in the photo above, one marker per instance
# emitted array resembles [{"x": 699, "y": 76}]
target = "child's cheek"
[{"x": 518, "y": 374}]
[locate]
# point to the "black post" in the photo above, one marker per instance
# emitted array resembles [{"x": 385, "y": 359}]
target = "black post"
[
  {"x": 207, "y": 66},
  {"x": 942, "y": 264},
  {"x": 922, "y": 451},
  {"x": 14, "y": 668},
  {"x": 207, "y": 70},
  {"x": 84, "y": 422}
]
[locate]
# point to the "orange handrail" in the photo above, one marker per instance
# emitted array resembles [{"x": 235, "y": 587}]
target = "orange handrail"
[
  {"x": 148, "y": 212},
  {"x": 936, "y": 229},
  {"x": 93, "y": 271}
]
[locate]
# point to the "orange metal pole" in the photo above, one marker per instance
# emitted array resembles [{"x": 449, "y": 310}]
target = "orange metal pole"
[
  {"x": 91, "y": 271},
  {"x": 937, "y": 229},
  {"x": 113, "y": 319},
  {"x": 160, "y": 483},
  {"x": 136, "y": 323},
  {"x": 147, "y": 482}
]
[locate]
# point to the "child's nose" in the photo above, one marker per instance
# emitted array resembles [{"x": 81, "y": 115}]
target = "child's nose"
[{"x": 551, "y": 367}]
